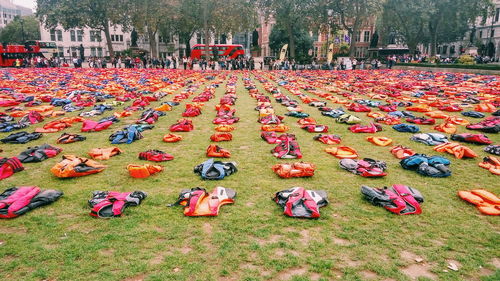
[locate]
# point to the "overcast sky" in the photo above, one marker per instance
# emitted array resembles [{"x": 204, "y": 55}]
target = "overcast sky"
[{"x": 26, "y": 3}]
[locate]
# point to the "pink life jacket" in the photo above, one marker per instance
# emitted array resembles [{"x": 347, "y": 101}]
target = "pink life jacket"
[
  {"x": 9, "y": 166},
  {"x": 302, "y": 203},
  {"x": 111, "y": 204}
]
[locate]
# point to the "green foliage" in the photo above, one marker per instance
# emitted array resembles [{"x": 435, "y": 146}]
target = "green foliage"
[
  {"x": 304, "y": 43},
  {"x": 458, "y": 65},
  {"x": 12, "y": 33},
  {"x": 466, "y": 59}
]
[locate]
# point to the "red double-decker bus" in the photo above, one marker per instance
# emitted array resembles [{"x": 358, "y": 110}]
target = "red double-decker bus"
[
  {"x": 10, "y": 53},
  {"x": 218, "y": 50}
]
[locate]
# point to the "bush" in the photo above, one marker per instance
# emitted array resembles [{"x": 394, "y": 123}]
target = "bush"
[
  {"x": 466, "y": 59},
  {"x": 463, "y": 66}
]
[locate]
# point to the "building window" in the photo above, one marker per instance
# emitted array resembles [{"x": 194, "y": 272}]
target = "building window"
[
  {"x": 95, "y": 36},
  {"x": 59, "y": 35},
  {"x": 452, "y": 49},
  {"x": 497, "y": 14},
  {"x": 438, "y": 50},
  {"x": 366, "y": 36},
  {"x": 52, "y": 35},
  {"x": 357, "y": 37},
  {"x": 99, "y": 52},
  {"x": 60, "y": 51},
  {"x": 72, "y": 35},
  {"x": 79, "y": 35},
  {"x": 198, "y": 38},
  {"x": 121, "y": 37},
  {"x": 492, "y": 33},
  {"x": 480, "y": 34},
  {"x": 445, "y": 49},
  {"x": 92, "y": 52}
]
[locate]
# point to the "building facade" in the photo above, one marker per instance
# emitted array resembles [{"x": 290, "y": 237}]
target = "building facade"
[
  {"x": 8, "y": 10},
  {"x": 483, "y": 39}
]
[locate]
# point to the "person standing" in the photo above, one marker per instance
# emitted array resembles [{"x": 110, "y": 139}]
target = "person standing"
[{"x": 354, "y": 63}]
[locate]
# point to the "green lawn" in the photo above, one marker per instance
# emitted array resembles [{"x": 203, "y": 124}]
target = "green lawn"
[{"x": 250, "y": 240}]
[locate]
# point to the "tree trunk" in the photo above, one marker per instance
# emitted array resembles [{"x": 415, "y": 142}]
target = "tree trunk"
[
  {"x": 206, "y": 31},
  {"x": 152, "y": 43},
  {"x": 188, "y": 46},
  {"x": 291, "y": 41},
  {"x": 108, "y": 40},
  {"x": 352, "y": 47}
]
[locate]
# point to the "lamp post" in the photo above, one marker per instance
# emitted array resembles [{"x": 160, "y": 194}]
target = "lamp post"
[{"x": 22, "y": 29}]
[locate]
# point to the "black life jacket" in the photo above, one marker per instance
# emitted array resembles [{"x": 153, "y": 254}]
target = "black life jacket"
[
  {"x": 38, "y": 153},
  {"x": 17, "y": 201}
]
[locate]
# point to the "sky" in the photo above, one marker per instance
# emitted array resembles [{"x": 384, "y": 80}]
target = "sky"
[{"x": 26, "y": 3}]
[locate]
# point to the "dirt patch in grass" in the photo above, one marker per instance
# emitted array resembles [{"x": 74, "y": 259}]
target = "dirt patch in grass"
[
  {"x": 495, "y": 262},
  {"x": 341, "y": 242},
  {"x": 315, "y": 276},
  {"x": 139, "y": 277},
  {"x": 8, "y": 258},
  {"x": 270, "y": 240},
  {"x": 415, "y": 271},
  {"x": 185, "y": 249},
  {"x": 207, "y": 228},
  {"x": 289, "y": 273},
  {"x": 352, "y": 263},
  {"x": 485, "y": 272},
  {"x": 156, "y": 260},
  {"x": 249, "y": 204},
  {"x": 409, "y": 256},
  {"x": 368, "y": 274},
  {"x": 450, "y": 262},
  {"x": 14, "y": 230},
  {"x": 107, "y": 252},
  {"x": 337, "y": 274}
]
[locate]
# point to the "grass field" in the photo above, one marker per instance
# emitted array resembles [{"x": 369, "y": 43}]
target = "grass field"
[{"x": 250, "y": 240}]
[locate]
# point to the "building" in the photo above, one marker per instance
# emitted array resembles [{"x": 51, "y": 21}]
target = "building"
[
  {"x": 483, "y": 39},
  {"x": 8, "y": 10}
]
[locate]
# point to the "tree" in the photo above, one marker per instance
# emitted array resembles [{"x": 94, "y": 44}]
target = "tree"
[
  {"x": 302, "y": 39},
  {"x": 95, "y": 14},
  {"x": 290, "y": 15},
  {"x": 12, "y": 33},
  {"x": 148, "y": 16},
  {"x": 353, "y": 14},
  {"x": 407, "y": 19}
]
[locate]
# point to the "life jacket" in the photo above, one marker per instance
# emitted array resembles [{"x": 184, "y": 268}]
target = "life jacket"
[
  {"x": 402, "y": 152},
  {"x": 485, "y": 201},
  {"x": 430, "y": 166},
  {"x": 388, "y": 107},
  {"x": 58, "y": 125},
  {"x": 376, "y": 115},
  {"x": 294, "y": 170},
  {"x": 485, "y": 107},
  {"x": 306, "y": 121},
  {"x": 217, "y": 137},
  {"x": 269, "y": 137},
  {"x": 473, "y": 114},
  {"x": 372, "y": 128},
  {"x": 270, "y": 119},
  {"x": 406, "y": 128},
  {"x": 93, "y": 126},
  {"x": 17, "y": 201},
  {"x": 225, "y": 120},
  {"x": 73, "y": 166},
  {"x": 224, "y": 128},
  {"x": 297, "y": 114},
  {"x": 8, "y": 127},
  {"x": 389, "y": 120},
  {"x": 315, "y": 128},
  {"x": 129, "y": 134},
  {"x": 334, "y": 113},
  {"x": 109, "y": 204},
  {"x": 421, "y": 121},
  {"x": 366, "y": 168},
  {"x": 356, "y": 107},
  {"x": 318, "y": 103},
  {"x": 448, "y": 128},
  {"x": 172, "y": 138},
  {"x": 104, "y": 153},
  {"x": 471, "y": 138},
  {"x": 198, "y": 202},
  {"x": 155, "y": 156},
  {"x": 418, "y": 108},
  {"x": 275, "y": 128},
  {"x": 69, "y": 138},
  {"x": 21, "y": 137},
  {"x": 488, "y": 125},
  {"x": 182, "y": 125},
  {"x": 380, "y": 141},
  {"x": 450, "y": 108},
  {"x": 457, "y": 121},
  {"x": 342, "y": 152},
  {"x": 398, "y": 199},
  {"x": 493, "y": 149},
  {"x": 164, "y": 107},
  {"x": 32, "y": 117},
  {"x": 215, "y": 170},
  {"x": 301, "y": 203},
  {"x": 217, "y": 151},
  {"x": 9, "y": 166},
  {"x": 437, "y": 114},
  {"x": 38, "y": 153},
  {"x": 348, "y": 119},
  {"x": 191, "y": 111},
  {"x": 328, "y": 139},
  {"x": 492, "y": 164},
  {"x": 143, "y": 171},
  {"x": 430, "y": 138},
  {"x": 287, "y": 148}
]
